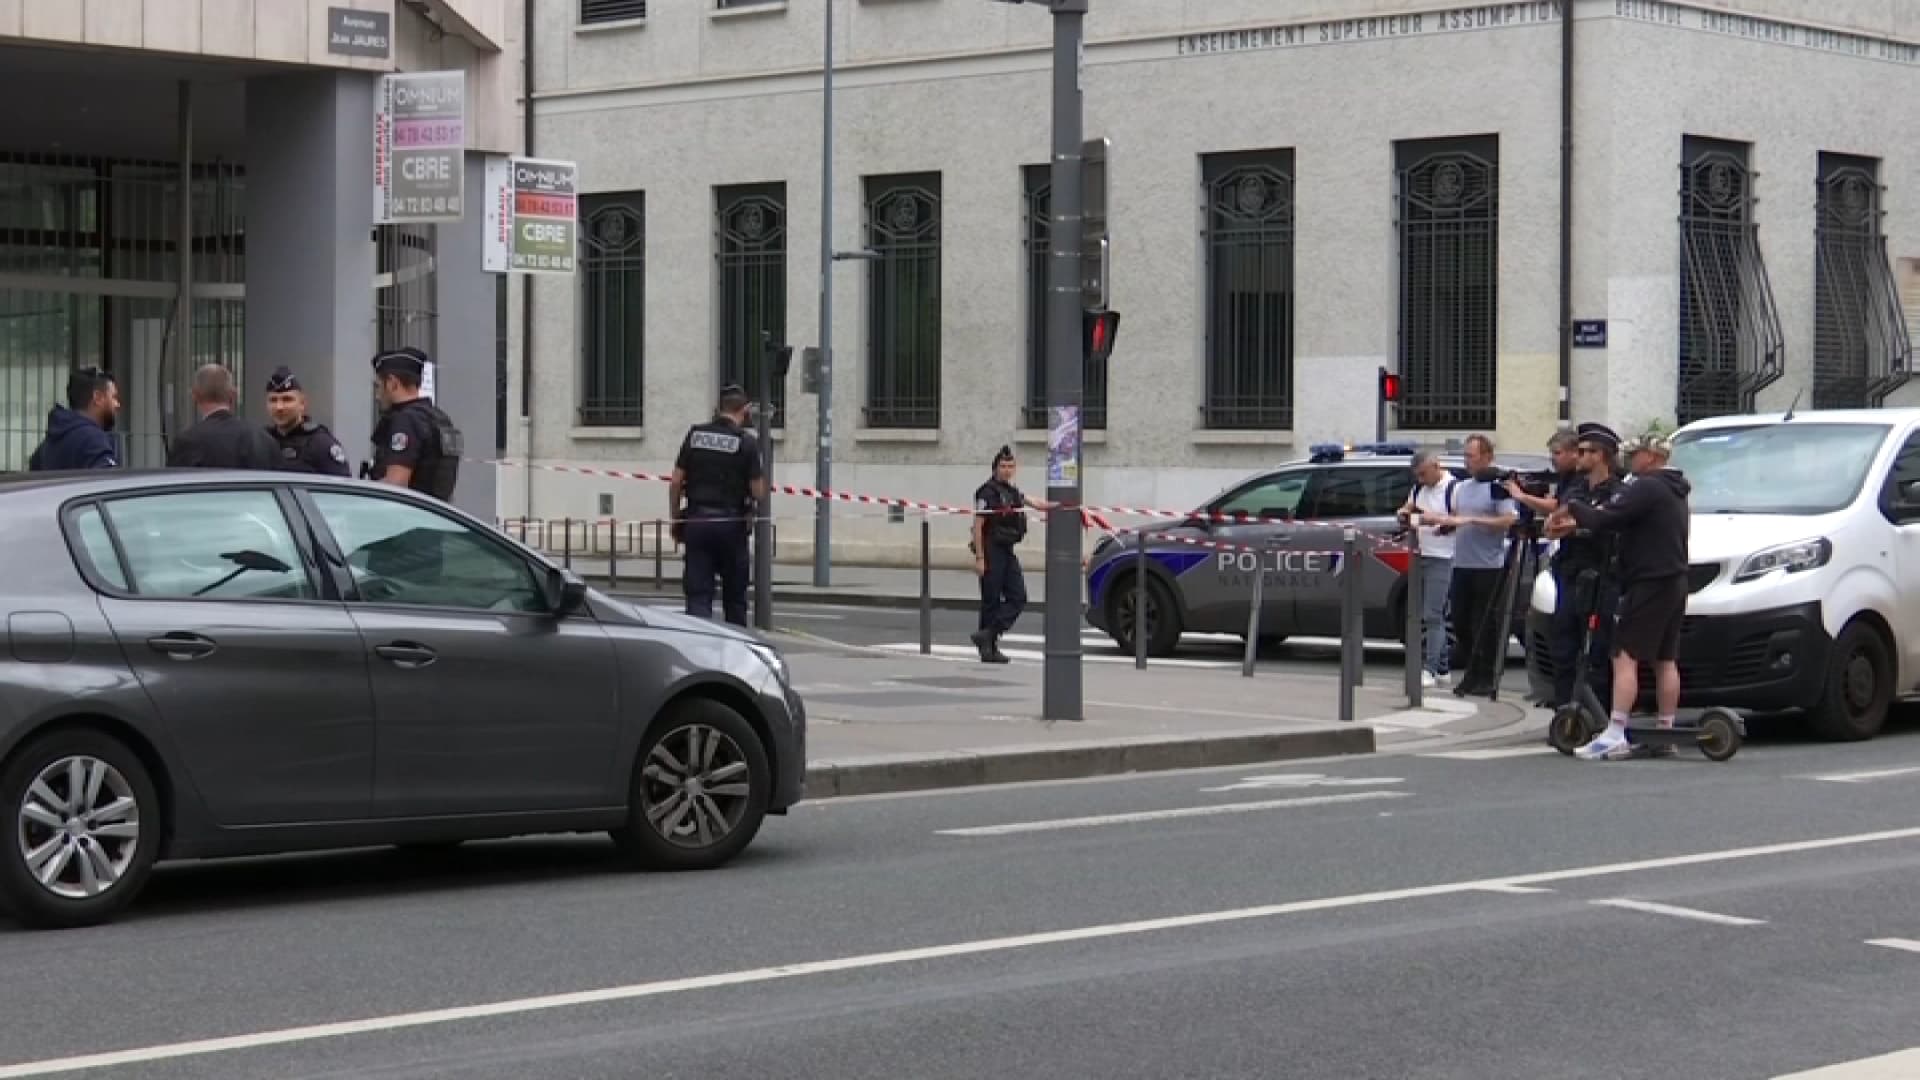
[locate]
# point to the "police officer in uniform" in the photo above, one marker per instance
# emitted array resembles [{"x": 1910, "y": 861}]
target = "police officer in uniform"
[
  {"x": 305, "y": 447},
  {"x": 220, "y": 440},
  {"x": 722, "y": 478},
  {"x": 1580, "y": 550},
  {"x": 999, "y": 523},
  {"x": 415, "y": 444}
]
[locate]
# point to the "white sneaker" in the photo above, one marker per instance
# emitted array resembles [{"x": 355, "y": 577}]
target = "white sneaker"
[
  {"x": 1609, "y": 744},
  {"x": 1429, "y": 680}
]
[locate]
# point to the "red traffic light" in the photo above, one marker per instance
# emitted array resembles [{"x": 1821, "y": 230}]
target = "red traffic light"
[
  {"x": 1100, "y": 328},
  {"x": 1389, "y": 386}
]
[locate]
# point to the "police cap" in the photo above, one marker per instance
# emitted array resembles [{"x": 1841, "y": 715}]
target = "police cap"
[
  {"x": 408, "y": 361},
  {"x": 1598, "y": 433},
  {"x": 282, "y": 381}
]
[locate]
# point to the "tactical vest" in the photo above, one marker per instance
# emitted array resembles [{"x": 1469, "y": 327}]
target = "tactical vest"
[{"x": 438, "y": 472}]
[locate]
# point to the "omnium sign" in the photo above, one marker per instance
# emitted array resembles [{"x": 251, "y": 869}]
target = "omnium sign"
[
  {"x": 532, "y": 216},
  {"x": 420, "y": 138}
]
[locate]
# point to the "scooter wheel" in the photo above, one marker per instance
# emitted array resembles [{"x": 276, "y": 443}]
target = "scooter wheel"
[
  {"x": 1568, "y": 730},
  {"x": 1719, "y": 735}
]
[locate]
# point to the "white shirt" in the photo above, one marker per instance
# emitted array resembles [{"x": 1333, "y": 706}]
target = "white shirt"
[{"x": 1435, "y": 501}]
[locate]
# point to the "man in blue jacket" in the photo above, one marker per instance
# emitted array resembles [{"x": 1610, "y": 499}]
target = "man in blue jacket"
[{"x": 77, "y": 431}]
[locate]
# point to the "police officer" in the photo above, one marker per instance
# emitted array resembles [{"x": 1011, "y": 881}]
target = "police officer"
[
  {"x": 999, "y": 523},
  {"x": 220, "y": 440},
  {"x": 305, "y": 446},
  {"x": 1579, "y": 551},
  {"x": 415, "y": 445},
  {"x": 1565, "y": 632},
  {"x": 721, "y": 476}
]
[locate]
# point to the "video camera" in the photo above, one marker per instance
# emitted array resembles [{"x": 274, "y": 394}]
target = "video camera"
[{"x": 1537, "y": 483}]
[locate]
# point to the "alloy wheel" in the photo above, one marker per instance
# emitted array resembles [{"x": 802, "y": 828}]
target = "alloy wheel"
[
  {"x": 78, "y": 827},
  {"x": 696, "y": 786}
]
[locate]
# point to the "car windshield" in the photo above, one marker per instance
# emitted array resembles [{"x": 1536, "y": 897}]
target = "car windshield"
[{"x": 1785, "y": 468}]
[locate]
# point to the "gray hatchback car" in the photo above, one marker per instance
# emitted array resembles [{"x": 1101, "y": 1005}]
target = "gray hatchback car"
[
  {"x": 204, "y": 664},
  {"x": 1289, "y": 521}
]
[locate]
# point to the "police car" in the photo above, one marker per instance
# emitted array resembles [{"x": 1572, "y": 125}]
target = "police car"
[{"x": 1289, "y": 522}]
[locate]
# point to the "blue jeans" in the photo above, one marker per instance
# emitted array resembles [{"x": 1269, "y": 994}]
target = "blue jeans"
[{"x": 1436, "y": 580}]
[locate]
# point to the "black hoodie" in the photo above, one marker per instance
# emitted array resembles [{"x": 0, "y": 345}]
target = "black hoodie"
[
  {"x": 1651, "y": 517},
  {"x": 74, "y": 441}
]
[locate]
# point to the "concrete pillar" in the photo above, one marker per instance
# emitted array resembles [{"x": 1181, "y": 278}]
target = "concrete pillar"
[
  {"x": 310, "y": 251},
  {"x": 464, "y": 375}
]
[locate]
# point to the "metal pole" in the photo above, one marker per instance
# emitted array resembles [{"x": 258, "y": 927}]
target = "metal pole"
[
  {"x": 1357, "y": 593},
  {"x": 763, "y": 510},
  {"x": 613, "y": 555},
  {"x": 1349, "y": 625},
  {"x": 1416, "y": 631},
  {"x": 1140, "y": 603},
  {"x": 926, "y": 585},
  {"x": 1062, "y": 689},
  {"x": 659, "y": 552},
  {"x": 823, "y": 459},
  {"x": 183, "y": 305},
  {"x": 1253, "y": 614},
  {"x": 567, "y": 526}
]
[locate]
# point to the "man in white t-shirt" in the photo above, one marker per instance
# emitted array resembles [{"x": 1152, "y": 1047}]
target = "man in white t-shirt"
[{"x": 1431, "y": 500}]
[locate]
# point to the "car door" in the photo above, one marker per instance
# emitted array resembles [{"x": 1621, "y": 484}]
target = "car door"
[
  {"x": 1900, "y": 505},
  {"x": 1222, "y": 591},
  {"x": 485, "y": 702},
  {"x": 255, "y": 668},
  {"x": 1364, "y": 496}
]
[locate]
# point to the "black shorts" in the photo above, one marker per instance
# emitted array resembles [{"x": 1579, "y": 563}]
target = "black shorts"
[{"x": 1650, "y": 617}]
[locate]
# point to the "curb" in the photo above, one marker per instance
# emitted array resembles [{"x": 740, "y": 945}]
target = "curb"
[{"x": 902, "y": 773}]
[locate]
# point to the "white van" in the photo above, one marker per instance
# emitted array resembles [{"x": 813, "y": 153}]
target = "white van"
[{"x": 1804, "y": 567}]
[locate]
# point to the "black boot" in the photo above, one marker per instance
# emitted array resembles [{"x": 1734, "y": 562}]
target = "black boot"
[
  {"x": 994, "y": 655},
  {"x": 983, "y": 641}
]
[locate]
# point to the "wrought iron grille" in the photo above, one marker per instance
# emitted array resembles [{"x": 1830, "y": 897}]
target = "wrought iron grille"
[
  {"x": 1250, "y": 297},
  {"x": 1731, "y": 345},
  {"x": 403, "y": 297},
  {"x": 1038, "y": 183},
  {"x": 1449, "y": 222},
  {"x": 613, "y": 352},
  {"x": 903, "y": 301},
  {"x": 1861, "y": 351},
  {"x": 89, "y": 276},
  {"x": 751, "y": 247}
]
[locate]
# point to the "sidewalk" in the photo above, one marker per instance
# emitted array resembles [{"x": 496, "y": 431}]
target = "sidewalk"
[{"x": 880, "y": 721}]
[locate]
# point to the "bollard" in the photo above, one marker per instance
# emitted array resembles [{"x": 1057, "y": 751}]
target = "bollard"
[
  {"x": 1416, "y": 632},
  {"x": 1350, "y": 624},
  {"x": 1140, "y": 603},
  {"x": 1253, "y": 617},
  {"x": 567, "y": 527},
  {"x": 926, "y": 585},
  {"x": 659, "y": 578},
  {"x": 1358, "y": 591},
  {"x": 613, "y": 555}
]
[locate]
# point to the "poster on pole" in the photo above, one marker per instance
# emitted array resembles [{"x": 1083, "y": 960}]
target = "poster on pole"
[
  {"x": 532, "y": 216},
  {"x": 1063, "y": 447},
  {"x": 419, "y": 155}
]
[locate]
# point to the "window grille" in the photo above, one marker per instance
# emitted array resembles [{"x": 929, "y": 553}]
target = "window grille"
[
  {"x": 1449, "y": 224},
  {"x": 1250, "y": 296},
  {"x": 1861, "y": 351},
  {"x": 903, "y": 301},
  {"x": 614, "y": 272},
  {"x": 1731, "y": 346},
  {"x": 751, "y": 248}
]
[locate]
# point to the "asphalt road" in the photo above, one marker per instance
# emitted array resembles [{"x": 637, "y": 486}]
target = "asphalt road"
[{"x": 1391, "y": 916}]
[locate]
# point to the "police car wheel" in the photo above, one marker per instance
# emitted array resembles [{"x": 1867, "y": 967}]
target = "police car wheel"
[
  {"x": 1162, "y": 617},
  {"x": 700, "y": 789}
]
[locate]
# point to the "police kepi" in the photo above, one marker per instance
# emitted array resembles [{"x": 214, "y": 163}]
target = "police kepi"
[
  {"x": 305, "y": 447},
  {"x": 415, "y": 445},
  {"x": 721, "y": 476},
  {"x": 999, "y": 523}
]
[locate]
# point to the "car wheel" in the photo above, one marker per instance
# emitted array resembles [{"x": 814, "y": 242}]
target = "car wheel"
[
  {"x": 1162, "y": 617},
  {"x": 83, "y": 829},
  {"x": 1859, "y": 688},
  {"x": 700, "y": 789}
]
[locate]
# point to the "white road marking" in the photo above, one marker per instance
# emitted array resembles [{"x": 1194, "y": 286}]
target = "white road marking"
[
  {"x": 1867, "y": 775},
  {"x": 635, "y": 991},
  {"x": 1904, "y": 1065},
  {"x": 1299, "y": 780},
  {"x": 813, "y": 616},
  {"x": 1903, "y": 944},
  {"x": 1415, "y": 719},
  {"x": 968, "y": 652},
  {"x": 1516, "y": 890},
  {"x": 1491, "y": 755},
  {"x": 1163, "y": 815},
  {"x": 1679, "y": 912}
]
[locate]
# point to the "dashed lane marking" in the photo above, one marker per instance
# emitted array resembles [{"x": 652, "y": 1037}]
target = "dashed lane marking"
[
  {"x": 1696, "y": 915},
  {"x": 1163, "y": 815}
]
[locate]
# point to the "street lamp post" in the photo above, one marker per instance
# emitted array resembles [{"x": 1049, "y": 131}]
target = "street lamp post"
[{"x": 823, "y": 451}]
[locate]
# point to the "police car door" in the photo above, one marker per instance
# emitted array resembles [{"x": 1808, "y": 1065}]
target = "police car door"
[
  {"x": 1364, "y": 496},
  {"x": 1218, "y": 599}
]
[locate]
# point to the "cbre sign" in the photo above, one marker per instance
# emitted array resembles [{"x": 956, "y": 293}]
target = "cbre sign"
[
  {"x": 532, "y": 216},
  {"x": 419, "y": 152}
]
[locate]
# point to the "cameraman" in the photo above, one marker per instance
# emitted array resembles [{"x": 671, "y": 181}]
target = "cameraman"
[
  {"x": 1591, "y": 448},
  {"x": 1482, "y": 515},
  {"x": 1651, "y": 519}
]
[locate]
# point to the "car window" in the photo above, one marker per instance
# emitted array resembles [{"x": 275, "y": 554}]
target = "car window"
[
  {"x": 210, "y": 545},
  {"x": 404, "y": 554},
  {"x": 92, "y": 534},
  {"x": 1270, "y": 497},
  {"x": 1903, "y": 482},
  {"x": 1354, "y": 493}
]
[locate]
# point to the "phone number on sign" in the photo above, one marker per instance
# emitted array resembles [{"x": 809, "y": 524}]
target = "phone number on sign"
[{"x": 413, "y": 136}]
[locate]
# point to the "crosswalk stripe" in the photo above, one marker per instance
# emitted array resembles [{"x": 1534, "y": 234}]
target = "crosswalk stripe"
[
  {"x": 1491, "y": 755},
  {"x": 1036, "y": 656},
  {"x": 1901, "y": 1066}
]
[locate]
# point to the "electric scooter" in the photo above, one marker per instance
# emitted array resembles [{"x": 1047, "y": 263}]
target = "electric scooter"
[{"x": 1718, "y": 732}]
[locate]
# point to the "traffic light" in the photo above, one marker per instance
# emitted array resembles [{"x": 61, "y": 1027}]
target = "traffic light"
[
  {"x": 1389, "y": 387},
  {"x": 1099, "y": 329},
  {"x": 781, "y": 356}
]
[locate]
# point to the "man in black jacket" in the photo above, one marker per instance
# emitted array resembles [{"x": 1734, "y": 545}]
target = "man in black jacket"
[
  {"x": 220, "y": 440},
  {"x": 77, "y": 433},
  {"x": 1651, "y": 517}
]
